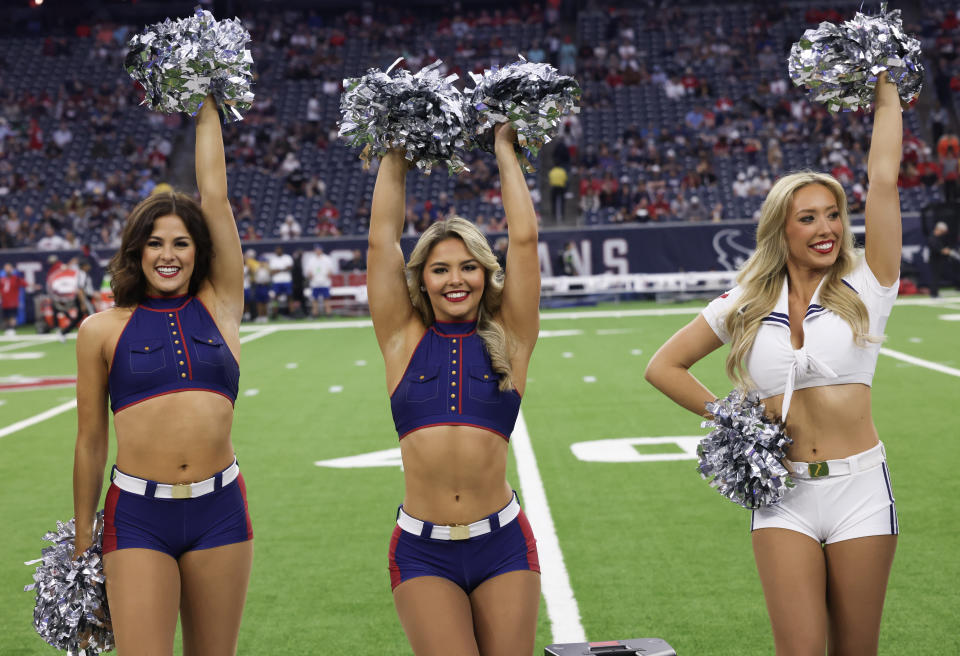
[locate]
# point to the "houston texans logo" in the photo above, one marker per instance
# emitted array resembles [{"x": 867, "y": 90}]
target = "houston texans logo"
[{"x": 730, "y": 254}]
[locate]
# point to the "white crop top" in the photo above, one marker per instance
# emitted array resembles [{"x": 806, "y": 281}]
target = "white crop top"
[{"x": 828, "y": 356}]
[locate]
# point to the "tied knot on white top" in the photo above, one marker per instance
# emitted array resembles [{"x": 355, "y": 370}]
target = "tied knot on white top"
[{"x": 803, "y": 364}]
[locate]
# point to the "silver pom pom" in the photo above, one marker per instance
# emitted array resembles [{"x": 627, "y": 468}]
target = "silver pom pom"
[
  {"x": 71, "y": 612},
  {"x": 743, "y": 452},
  {"x": 179, "y": 62},
  {"x": 420, "y": 114},
  {"x": 534, "y": 97},
  {"x": 840, "y": 64}
]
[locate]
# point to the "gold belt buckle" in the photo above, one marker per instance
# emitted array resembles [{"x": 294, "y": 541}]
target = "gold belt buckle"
[
  {"x": 181, "y": 490},
  {"x": 459, "y": 532},
  {"x": 818, "y": 469}
]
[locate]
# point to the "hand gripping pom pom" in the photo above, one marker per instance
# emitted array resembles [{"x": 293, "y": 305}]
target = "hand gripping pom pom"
[
  {"x": 533, "y": 97},
  {"x": 71, "y": 612},
  {"x": 179, "y": 62},
  {"x": 840, "y": 64},
  {"x": 420, "y": 114},
  {"x": 743, "y": 452}
]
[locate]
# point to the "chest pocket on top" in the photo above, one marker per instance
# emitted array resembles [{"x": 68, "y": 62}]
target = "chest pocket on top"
[
  {"x": 422, "y": 384},
  {"x": 484, "y": 385},
  {"x": 208, "y": 348},
  {"x": 147, "y": 356}
]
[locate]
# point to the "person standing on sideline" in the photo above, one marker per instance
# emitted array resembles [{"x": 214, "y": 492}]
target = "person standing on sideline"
[
  {"x": 940, "y": 254},
  {"x": 319, "y": 269},
  {"x": 805, "y": 324},
  {"x": 558, "y": 190},
  {"x": 10, "y": 285}
]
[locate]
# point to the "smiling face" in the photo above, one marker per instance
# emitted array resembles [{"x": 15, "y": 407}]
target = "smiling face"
[
  {"x": 454, "y": 281},
  {"x": 813, "y": 228},
  {"x": 168, "y": 257}
]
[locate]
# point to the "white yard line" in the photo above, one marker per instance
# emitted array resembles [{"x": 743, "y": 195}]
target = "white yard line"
[
  {"x": 935, "y": 366},
  {"x": 562, "y": 606},
  {"x": 260, "y": 332},
  {"x": 36, "y": 419}
]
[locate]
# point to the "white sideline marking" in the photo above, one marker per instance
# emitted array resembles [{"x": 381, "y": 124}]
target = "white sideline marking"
[
  {"x": 560, "y": 333},
  {"x": 949, "y": 317},
  {"x": 36, "y": 419},
  {"x": 27, "y": 355},
  {"x": 257, "y": 334},
  {"x": 936, "y": 366},
  {"x": 385, "y": 458},
  {"x": 17, "y": 345},
  {"x": 336, "y": 389},
  {"x": 292, "y": 365},
  {"x": 561, "y": 605},
  {"x": 251, "y": 392}
]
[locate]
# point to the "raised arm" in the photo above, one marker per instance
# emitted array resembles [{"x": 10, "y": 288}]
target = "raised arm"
[
  {"x": 90, "y": 452},
  {"x": 390, "y": 306},
  {"x": 884, "y": 231},
  {"x": 520, "y": 311},
  {"x": 226, "y": 266},
  {"x": 669, "y": 368}
]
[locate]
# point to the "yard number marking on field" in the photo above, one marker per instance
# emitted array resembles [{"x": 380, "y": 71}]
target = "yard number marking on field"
[{"x": 623, "y": 449}]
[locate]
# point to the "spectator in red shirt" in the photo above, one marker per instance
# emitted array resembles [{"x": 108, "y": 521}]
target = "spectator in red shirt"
[{"x": 10, "y": 285}]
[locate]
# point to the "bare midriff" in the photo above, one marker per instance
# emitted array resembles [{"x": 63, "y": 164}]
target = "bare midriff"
[
  {"x": 454, "y": 474},
  {"x": 828, "y": 422},
  {"x": 183, "y": 437}
]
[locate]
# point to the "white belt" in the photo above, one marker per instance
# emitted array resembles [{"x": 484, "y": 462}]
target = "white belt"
[
  {"x": 459, "y": 531},
  {"x": 860, "y": 462},
  {"x": 143, "y": 487}
]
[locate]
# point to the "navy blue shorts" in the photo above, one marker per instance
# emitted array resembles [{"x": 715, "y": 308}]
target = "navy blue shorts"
[
  {"x": 320, "y": 291},
  {"x": 176, "y": 526},
  {"x": 283, "y": 288},
  {"x": 469, "y": 562},
  {"x": 261, "y": 293}
]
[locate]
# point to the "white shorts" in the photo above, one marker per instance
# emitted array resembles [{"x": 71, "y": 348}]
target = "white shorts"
[{"x": 854, "y": 500}]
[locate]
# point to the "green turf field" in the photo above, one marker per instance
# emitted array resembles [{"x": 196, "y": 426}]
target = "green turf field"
[{"x": 650, "y": 550}]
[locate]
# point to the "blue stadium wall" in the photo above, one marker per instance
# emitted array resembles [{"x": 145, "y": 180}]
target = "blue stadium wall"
[{"x": 614, "y": 249}]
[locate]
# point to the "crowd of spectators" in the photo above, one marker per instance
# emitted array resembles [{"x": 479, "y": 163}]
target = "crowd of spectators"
[{"x": 727, "y": 122}]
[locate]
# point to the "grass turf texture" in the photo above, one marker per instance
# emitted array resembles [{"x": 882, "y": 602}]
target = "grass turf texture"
[{"x": 650, "y": 549}]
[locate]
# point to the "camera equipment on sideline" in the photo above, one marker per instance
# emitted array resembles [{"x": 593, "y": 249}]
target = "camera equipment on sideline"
[{"x": 633, "y": 647}]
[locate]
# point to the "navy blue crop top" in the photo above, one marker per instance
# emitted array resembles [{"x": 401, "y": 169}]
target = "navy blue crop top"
[
  {"x": 450, "y": 381},
  {"x": 170, "y": 344}
]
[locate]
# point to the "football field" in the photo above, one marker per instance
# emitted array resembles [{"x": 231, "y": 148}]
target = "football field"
[{"x": 632, "y": 542}]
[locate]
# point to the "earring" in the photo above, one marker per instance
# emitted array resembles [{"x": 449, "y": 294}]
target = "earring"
[{"x": 423, "y": 288}]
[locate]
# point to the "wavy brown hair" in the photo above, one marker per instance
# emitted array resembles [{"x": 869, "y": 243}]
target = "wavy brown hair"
[
  {"x": 126, "y": 272},
  {"x": 490, "y": 331}
]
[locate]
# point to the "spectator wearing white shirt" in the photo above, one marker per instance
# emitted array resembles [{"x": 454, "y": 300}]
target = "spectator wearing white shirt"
[
  {"x": 318, "y": 267},
  {"x": 741, "y": 186},
  {"x": 51, "y": 241},
  {"x": 290, "y": 228},
  {"x": 281, "y": 279}
]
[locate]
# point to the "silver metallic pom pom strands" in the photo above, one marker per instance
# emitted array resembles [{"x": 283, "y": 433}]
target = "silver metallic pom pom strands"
[
  {"x": 178, "y": 62},
  {"x": 421, "y": 114},
  {"x": 71, "y": 611},
  {"x": 534, "y": 97},
  {"x": 742, "y": 453},
  {"x": 840, "y": 64}
]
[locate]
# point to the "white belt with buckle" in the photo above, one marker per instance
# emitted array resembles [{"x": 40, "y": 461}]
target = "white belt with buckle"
[
  {"x": 459, "y": 531},
  {"x": 136, "y": 485},
  {"x": 860, "y": 462}
]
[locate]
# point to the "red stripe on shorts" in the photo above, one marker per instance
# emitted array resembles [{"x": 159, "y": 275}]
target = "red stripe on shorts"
[
  {"x": 533, "y": 561},
  {"x": 109, "y": 528},
  {"x": 394, "y": 568},
  {"x": 246, "y": 510}
]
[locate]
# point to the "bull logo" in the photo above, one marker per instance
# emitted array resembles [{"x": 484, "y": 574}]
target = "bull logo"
[{"x": 730, "y": 254}]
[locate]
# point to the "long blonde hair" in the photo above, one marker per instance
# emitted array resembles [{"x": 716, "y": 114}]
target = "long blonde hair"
[
  {"x": 762, "y": 275},
  {"x": 490, "y": 331}
]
